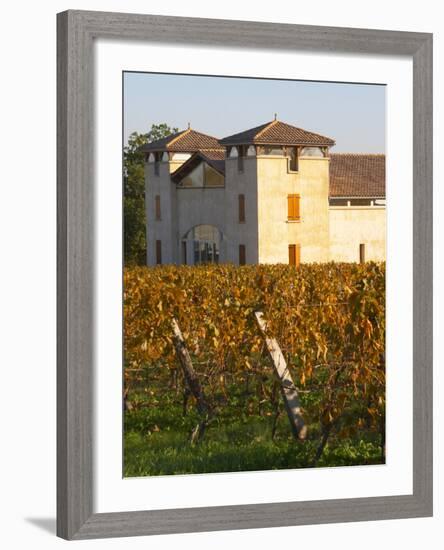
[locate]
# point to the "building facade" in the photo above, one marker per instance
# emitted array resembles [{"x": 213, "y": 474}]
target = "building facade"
[{"x": 271, "y": 194}]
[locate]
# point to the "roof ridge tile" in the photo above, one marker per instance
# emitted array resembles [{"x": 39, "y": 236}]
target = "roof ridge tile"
[{"x": 267, "y": 127}]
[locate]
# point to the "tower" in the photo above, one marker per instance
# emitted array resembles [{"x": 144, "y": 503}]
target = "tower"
[
  {"x": 281, "y": 175},
  {"x": 163, "y": 158}
]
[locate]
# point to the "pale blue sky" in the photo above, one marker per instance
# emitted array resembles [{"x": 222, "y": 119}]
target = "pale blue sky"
[{"x": 352, "y": 114}]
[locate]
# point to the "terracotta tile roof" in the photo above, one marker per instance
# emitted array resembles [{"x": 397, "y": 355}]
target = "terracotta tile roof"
[
  {"x": 277, "y": 133},
  {"x": 357, "y": 175},
  {"x": 187, "y": 141},
  {"x": 214, "y": 154}
]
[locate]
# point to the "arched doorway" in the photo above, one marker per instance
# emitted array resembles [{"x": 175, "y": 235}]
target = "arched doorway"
[{"x": 201, "y": 245}]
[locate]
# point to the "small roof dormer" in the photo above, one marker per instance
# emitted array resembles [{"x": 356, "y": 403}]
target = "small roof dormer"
[{"x": 208, "y": 168}]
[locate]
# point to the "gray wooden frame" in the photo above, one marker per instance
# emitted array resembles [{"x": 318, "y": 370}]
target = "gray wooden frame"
[{"x": 77, "y": 31}]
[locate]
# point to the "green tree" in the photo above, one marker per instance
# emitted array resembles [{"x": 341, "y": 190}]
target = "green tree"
[{"x": 134, "y": 221}]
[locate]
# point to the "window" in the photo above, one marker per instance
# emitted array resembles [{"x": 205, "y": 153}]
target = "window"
[
  {"x": 339, "y": 202},
  {"x": 201, "y": 245},
  {"x": 205, "y": 252},
  {"x": 293, "y": 159},
  {"x": 362, "y": 253},
  {"x": 195, "y": 178},
  {"x": 294, "y": 254},
  {"x": 158, "y": 252},
  {"x": 212, "y": 178},
  {"x": 360, "y": 202},
  {"x": 203, "y": 176},
  {"x": 273, "y": 151},
  {"x": 241, "y": 208},
  {"x": 157, "y": 200},
  {"x": 240, "y": 159},
  {"x": 312, "y": 152},
  {"x": 242, "y": 254},
  {"x": 251, "y": 151},
  {"x": 293, "y": 203}
]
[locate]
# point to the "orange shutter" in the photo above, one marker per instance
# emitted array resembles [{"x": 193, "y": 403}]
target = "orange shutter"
[
  {"x": 290, "y": 207},
  {"x": 293, "y": 202},
  {"x": 158, "y": 252},
  {"x": 298, "y": 255},
  {"x": 241, "y": 208},
  {"x": 157, "y": 207},
  {"x": 294, "y": 254},
  {"x": 362, "y": 253},
  {"x": 242, "y": 254}
]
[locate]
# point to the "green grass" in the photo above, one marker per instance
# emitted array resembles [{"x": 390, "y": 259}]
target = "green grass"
[{"x": 157, "y": 442}]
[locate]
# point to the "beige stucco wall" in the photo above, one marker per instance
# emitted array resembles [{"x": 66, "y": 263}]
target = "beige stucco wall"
[
  {"x": 353, "y": 225},
  {"x": 275, "y": 183},
  {"x": 181, "y": 210},
  {"x": 200, "y": 206},
  {"x": 164, "y": 228},
  {"x": 324, "y": 233},
  {"x": 246, "y": 233}
]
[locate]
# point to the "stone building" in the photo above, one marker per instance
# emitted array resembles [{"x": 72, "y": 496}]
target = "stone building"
[{"x": 271, "y": 194}]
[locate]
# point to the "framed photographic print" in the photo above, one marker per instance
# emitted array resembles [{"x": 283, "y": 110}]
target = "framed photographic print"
[{"x": 244, "y": 275}]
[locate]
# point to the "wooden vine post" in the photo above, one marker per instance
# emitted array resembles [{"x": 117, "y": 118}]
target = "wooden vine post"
[
  {"x": 288, "y": 389},
  {"x": 192, "y": 382}
]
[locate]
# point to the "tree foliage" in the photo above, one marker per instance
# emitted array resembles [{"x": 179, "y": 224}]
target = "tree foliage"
[{"x": 134, "y": 221}]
